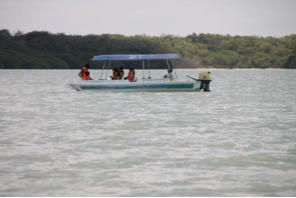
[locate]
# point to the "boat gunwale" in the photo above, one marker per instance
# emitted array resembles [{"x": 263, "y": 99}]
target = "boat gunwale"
[{"x": 138, "y": 86}]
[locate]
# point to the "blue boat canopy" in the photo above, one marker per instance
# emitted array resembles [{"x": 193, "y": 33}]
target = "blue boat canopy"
[{"x": 130, "y": 57}]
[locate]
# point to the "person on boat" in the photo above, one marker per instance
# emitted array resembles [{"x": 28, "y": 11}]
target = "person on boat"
[
  {"x": 82, "y": 73},
  {"x": 121, "y": 72},
  {"x": 115, "y": 75},
  {"x": 131, "y": 75},
  {"x": 170, "y": 75},
  {"x": 87, "y": 76}
]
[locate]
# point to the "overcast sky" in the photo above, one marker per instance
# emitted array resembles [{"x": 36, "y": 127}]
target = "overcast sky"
[{"x": 151, "y": 17}]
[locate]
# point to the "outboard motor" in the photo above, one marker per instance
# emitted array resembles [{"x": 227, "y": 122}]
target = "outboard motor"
[{"x": 205, "y": 79}]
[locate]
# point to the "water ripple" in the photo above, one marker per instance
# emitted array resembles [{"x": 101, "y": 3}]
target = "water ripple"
[{"x": 238, "y": 140}]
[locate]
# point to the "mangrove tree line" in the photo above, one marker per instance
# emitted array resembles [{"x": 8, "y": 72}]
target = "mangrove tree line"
[{"x": 44, "y": 50}]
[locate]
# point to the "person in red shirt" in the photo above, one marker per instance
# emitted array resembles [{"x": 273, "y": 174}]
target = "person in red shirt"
[
  {"x": 131, "y": 75},
  {"x": 87, "y": 76},
  {"x": 84, "y": 73}
]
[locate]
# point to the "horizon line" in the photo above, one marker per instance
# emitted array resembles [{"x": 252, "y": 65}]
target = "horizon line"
[{"x": 14, "y": 32}]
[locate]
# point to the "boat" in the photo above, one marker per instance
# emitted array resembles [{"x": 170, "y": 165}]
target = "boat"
[{"x": 145, "y": 84}]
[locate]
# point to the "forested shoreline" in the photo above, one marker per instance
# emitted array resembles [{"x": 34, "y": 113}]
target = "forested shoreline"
[{"x": 44, "y": 50}]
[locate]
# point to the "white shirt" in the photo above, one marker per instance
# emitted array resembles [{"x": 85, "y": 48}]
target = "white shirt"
[{"x": 171, "y": 75}]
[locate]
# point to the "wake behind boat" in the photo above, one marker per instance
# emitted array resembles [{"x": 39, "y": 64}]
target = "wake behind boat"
[{"x": 144, "y": 84}]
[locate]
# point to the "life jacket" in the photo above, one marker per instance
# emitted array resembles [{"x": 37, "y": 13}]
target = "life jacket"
[
  {"x": 131, "y": 76},
  {"x": 115, "y": 76},
  {"x": 84, "y": 77}
]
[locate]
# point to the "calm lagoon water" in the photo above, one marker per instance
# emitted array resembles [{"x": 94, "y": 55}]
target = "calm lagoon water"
[{"x": 238, "y": 140}]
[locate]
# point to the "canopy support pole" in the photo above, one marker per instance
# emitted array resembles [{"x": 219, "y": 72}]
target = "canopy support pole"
[
  {"x": 109, "y": 63},
  {"x": 101, "y": 76},
  {"x": 149, "y": 66},
  {"x": 173, "y": 67},
  {"x": 143, "y": 64},
  {"x": 167, "y": 62}
]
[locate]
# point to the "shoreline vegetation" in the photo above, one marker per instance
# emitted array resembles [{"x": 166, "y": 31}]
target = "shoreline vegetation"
[{"x": 45, "y": 50}]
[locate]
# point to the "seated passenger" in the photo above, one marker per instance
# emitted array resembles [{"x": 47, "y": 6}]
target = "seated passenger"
[
  {"x": 121, "y": 72},
  {"x": 82, "y": 73},
  {"x": 131, "y": 75},
  {"x": 170, "y": 75},
  {"x": 115, "y": 75},
  {"x": 87, "y": 76}
]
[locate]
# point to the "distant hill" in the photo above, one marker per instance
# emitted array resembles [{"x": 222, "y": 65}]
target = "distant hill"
[{"x": 44, "y": 50}]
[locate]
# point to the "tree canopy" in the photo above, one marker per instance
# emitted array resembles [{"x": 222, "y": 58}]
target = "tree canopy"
[{"x": 44, "y": 50}]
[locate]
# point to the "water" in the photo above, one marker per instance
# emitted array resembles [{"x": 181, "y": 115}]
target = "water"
[{"x": 238, "y": 140}]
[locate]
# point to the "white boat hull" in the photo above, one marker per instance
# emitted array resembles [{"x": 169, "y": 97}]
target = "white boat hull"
[{"x": 151, "y": 85}]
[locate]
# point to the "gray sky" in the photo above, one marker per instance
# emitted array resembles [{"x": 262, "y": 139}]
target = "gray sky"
[{"x": 151, "y": 17}]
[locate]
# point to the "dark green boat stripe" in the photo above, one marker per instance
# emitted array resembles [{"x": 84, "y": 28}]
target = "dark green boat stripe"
[{"x": 175, "y": 86}]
